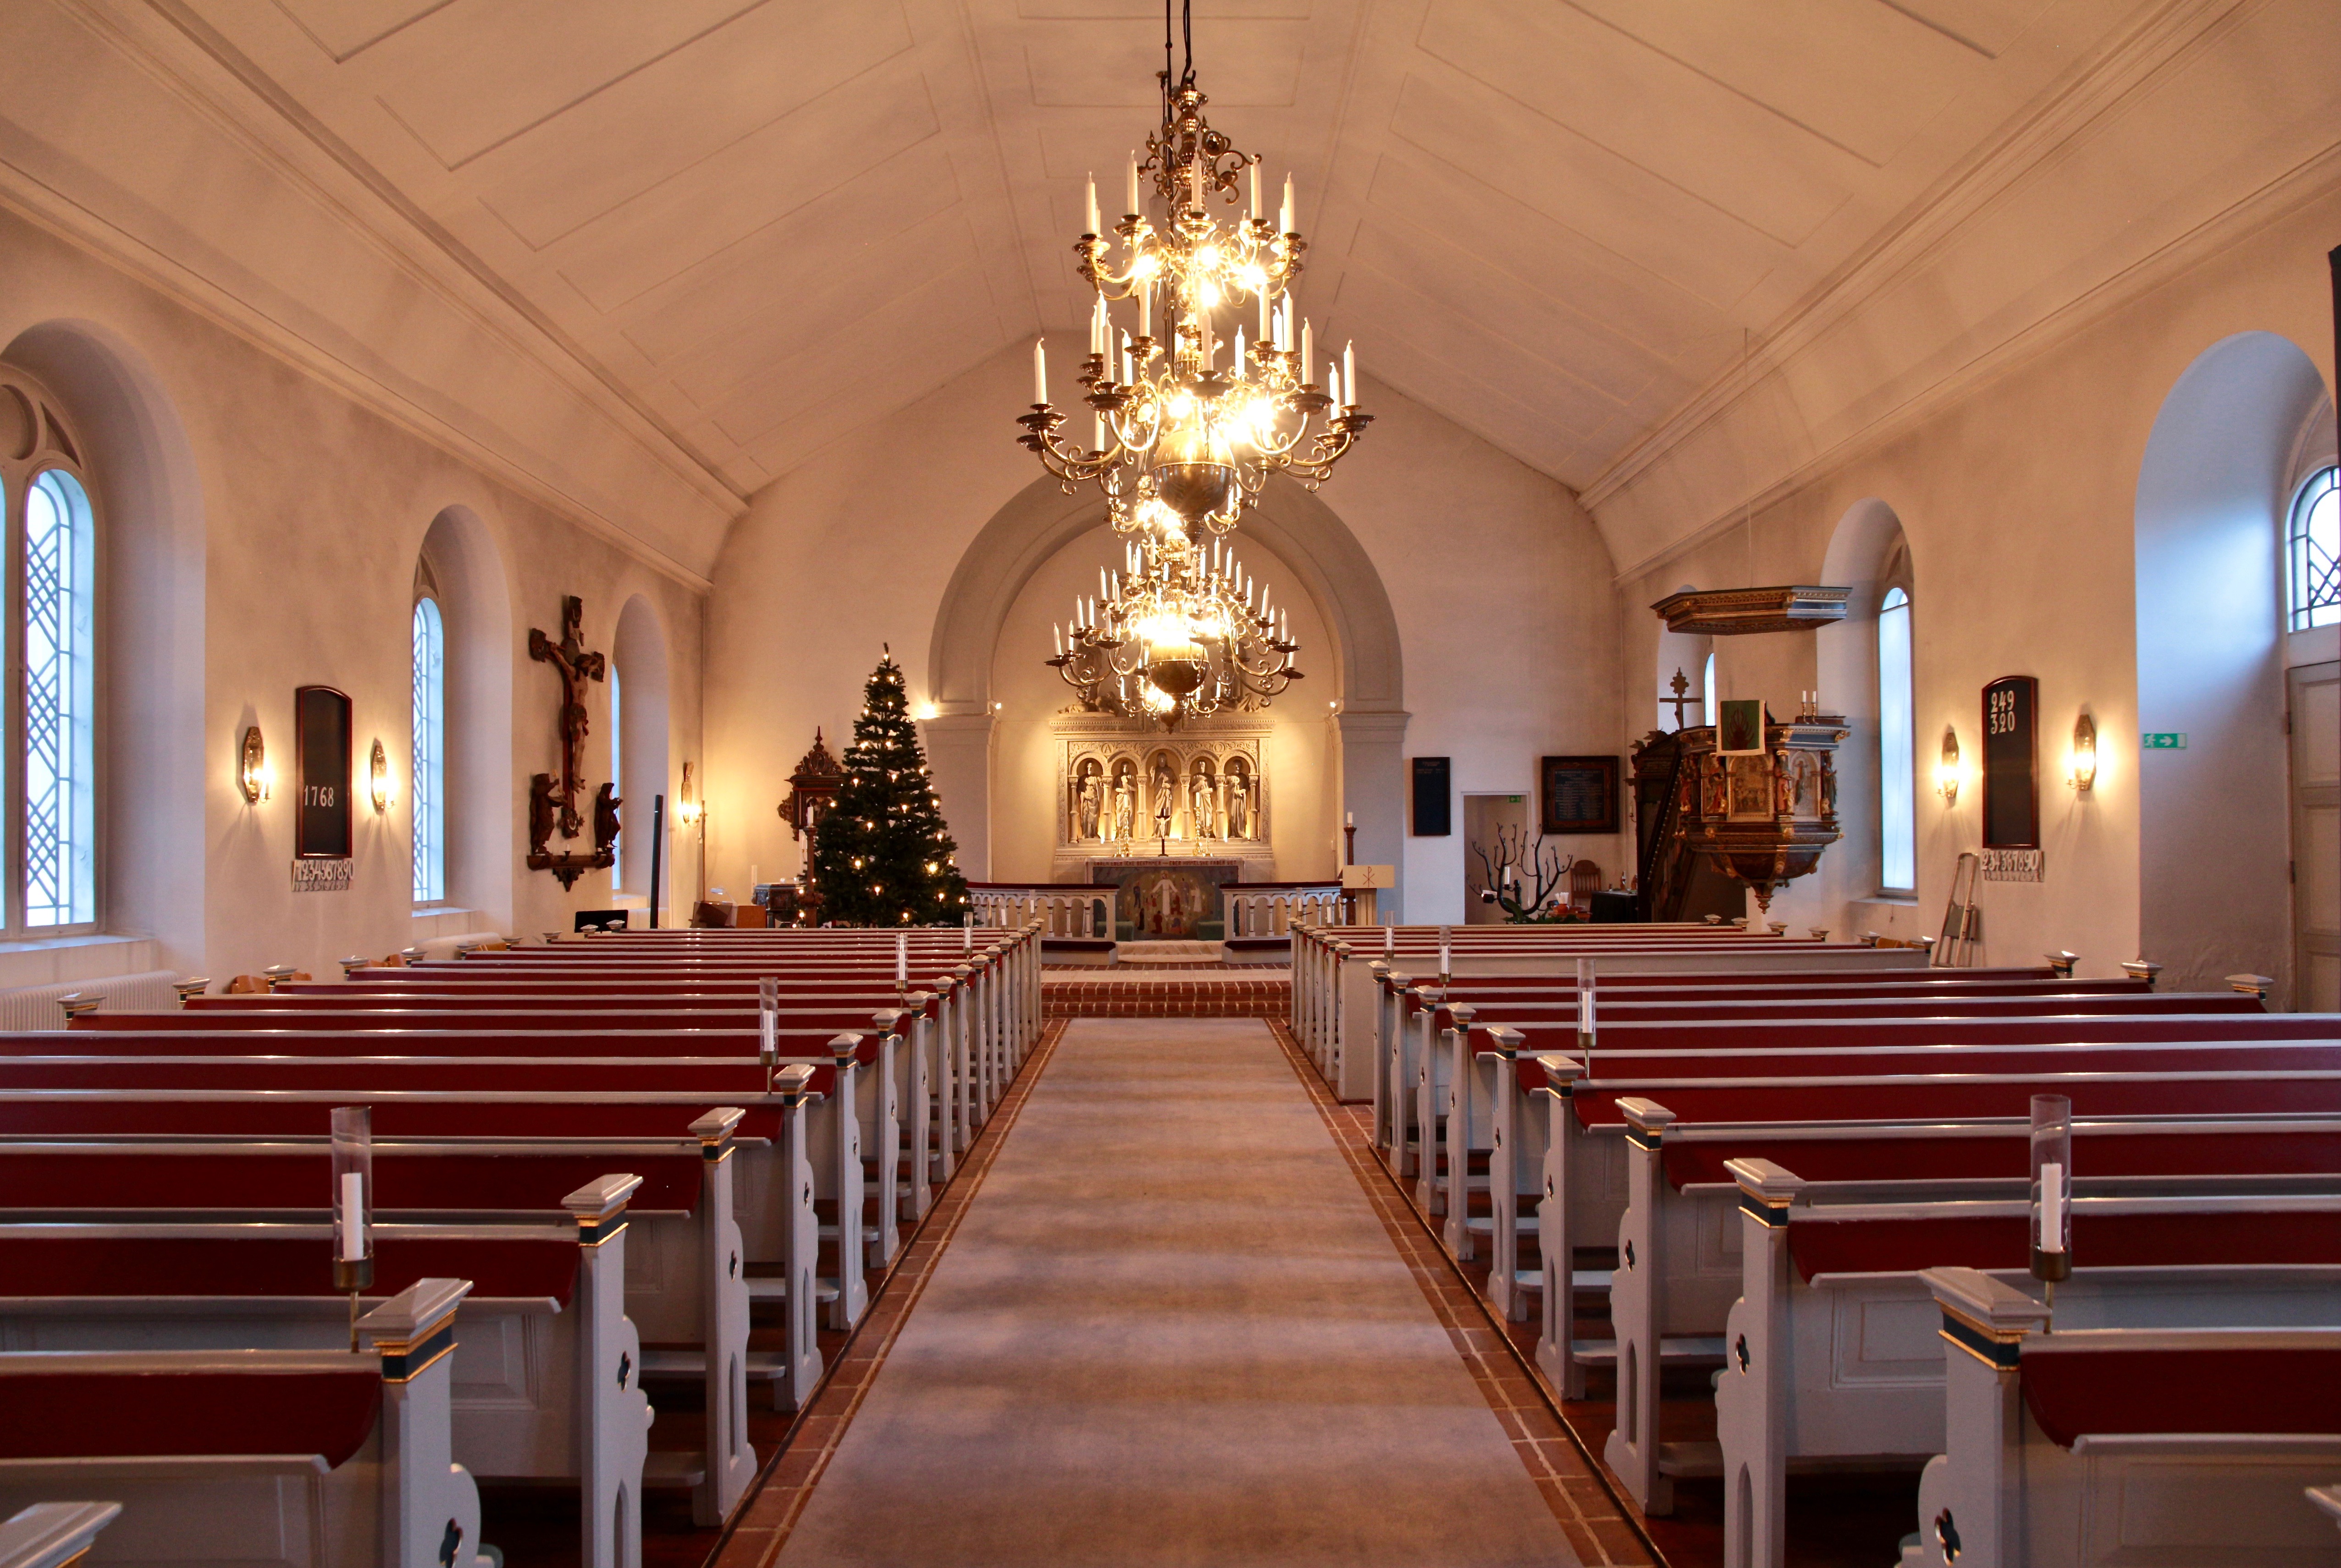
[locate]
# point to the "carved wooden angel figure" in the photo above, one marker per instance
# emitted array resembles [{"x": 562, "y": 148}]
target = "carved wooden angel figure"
[{"x": 605, "y": 819}]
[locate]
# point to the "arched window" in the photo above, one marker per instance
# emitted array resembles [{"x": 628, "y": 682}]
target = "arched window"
[
  {"x": 1897, "y": 850},
  {"x": 430, "y": 767},
  {"x": 2314, "y": 551},
  {"x": 1706, "y": 690},
  {"x": 617, "y": 776},
  {"x": 50, "y": 783}
]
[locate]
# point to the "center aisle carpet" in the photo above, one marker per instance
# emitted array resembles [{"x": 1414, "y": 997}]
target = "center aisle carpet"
[{"x": 1171, "y": 1330}]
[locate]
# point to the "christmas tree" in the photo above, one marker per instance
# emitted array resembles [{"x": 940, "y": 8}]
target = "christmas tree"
[{"x": 884, "y": 856}]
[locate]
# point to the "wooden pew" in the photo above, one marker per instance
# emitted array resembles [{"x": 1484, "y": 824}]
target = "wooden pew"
[
  {"x": 2104, "y": 1446},
  {"x": 198, "y": 1447},
  {"x": 1831, "y": 1353},
  {"x": 53, "y": 1535}
]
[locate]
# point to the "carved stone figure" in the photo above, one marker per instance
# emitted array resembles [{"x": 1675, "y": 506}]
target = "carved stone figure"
[
  {"x": 1239, "y": 805},
  {"x": 1204, "y": 806},
  {"x": 1085, "y": 809},
  {"x": 1125, "y": 807},
  {"x": 1166, "y": 792}
]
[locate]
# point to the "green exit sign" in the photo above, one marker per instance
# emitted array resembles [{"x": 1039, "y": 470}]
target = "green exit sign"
[{"x": 2165, "y": 740}]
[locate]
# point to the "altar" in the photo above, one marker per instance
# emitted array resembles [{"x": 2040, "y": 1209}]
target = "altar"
[{"x": 1167, "y": 899}]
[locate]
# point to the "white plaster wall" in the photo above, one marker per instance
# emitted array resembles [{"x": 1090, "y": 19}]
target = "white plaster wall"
[
  {"x": 2020, "y": 506},
  {"x": 1499, "y": 583},
  {"x": 308, "y": 512},
  {"x": 1300, "y": 758}
]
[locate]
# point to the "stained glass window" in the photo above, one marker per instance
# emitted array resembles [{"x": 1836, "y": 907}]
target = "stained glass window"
[
  {"x": 60, "y": 736},
  {"x": 430, "y": 753},
  {"x": 2315, "y": 551}
]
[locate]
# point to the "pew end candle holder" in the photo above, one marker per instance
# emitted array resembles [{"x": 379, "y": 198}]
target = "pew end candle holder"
[
  {"x": 353, "y": 1207},
  {"x": 2052, "y": 1192}
]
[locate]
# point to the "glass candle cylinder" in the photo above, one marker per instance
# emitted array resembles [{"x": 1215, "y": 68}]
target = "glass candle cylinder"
[
  {"x": 2052, "y": 1186},
  {"x": 352, "y": 1196}
]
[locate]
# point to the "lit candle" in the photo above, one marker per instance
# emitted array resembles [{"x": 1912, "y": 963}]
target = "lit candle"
[
  {"x": 1039, "y": 371},
  {"x": 1348, "y": 364},
  {"x": 1133, "y": 185},
  {"x": 2052, "y": 1206},
  {"x": 1284, "y": 219},
  {"x": 352, "y": 1216},
  {"x": 1095, "y": 227}
]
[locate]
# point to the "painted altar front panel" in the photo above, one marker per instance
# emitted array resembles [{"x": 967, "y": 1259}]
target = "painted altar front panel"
[{"x": 1168, "y": 900}]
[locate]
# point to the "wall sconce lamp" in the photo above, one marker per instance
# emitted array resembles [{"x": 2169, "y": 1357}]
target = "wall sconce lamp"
[
  {"x": 254, "y": 776},
  {"x": 1947, "y": 771},
  {"x": 687, "y": 806},
  {"x": 2084, "y": 774},
  {"x": 385, "y": 788}
]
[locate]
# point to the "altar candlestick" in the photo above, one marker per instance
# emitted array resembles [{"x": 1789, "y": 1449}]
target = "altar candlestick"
[
  {"x": 1039, "y": 370},
  {"x": 352, "y": 1217}
]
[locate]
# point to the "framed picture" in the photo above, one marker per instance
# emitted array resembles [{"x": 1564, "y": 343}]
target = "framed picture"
[
  {"x": 1739, "y": 727},
  {"x": 321, "y": 746},
  {"x": 1577, "y": 794},
  {"x": 2011, "y": 771}
]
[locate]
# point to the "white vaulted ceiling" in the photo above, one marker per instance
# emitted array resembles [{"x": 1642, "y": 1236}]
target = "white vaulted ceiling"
[{"x": 755, "y": 224}]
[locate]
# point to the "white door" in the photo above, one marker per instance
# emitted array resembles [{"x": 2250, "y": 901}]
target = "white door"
[{"x": 2313, "y": 693}]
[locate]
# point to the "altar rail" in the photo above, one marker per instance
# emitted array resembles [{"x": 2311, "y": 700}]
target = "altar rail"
[{"x": 1083, "y": 909}]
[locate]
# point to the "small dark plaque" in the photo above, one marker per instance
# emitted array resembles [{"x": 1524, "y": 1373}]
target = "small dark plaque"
[
  {"x": 1433, "y": 802},
  {"x": 1579, "y": 794},
  {"x": 2011, "y": 778},
  {"x": 321, "y": 828}
]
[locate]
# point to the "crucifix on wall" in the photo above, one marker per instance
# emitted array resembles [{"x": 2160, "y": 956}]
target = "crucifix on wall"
[{"x": 575, "y": 666}]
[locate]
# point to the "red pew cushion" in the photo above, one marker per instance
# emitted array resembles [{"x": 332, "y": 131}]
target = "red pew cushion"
[
  {"x": 2105, "y": 1393},
  {"x": 102, "y": 1415}
]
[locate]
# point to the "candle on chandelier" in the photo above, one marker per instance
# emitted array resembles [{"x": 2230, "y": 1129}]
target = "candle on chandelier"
[
  {"x": 1284, "y": 219},
  {"x": 1255, "y": 190},
  {"x": 1333, "y": 384},
  {"x": 1133, "y": 185},
  {"x": 1059, "y": 632},
  {"x": 1126, "y": 377},
  {"x": 1098, "y": 425},
  {"x": 1095, "y": 227},
  {"x": 1039, "y": 371},
  {"x": 1146, "y": 309},
  {"x": 1237, "y": 364},
  {"x": 1195, "y": 183},
  {"x": 1308, "y": 353},
  {"x": 1348, "y": 364}
]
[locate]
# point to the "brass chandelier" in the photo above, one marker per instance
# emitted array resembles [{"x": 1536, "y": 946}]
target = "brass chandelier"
[{"x": 1181, "y": 443}]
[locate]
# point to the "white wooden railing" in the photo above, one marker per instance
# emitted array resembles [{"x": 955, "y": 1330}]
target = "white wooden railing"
[{"x": 1082, "y": 910}]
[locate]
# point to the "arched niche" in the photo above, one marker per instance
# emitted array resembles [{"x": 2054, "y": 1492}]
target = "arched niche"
[
  {"x": 483, "y": 800},
  {"x": 1868, "y": 552},
  {"x": 639, "y": 654},
  {"x": 1327, "y": 568},
  {"x": 2213, "y": 829},
  {"x": 151, "y": 558}
]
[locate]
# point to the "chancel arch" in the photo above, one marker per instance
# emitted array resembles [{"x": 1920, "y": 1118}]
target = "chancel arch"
[
  {"x": 1869, "y": 680},
  {"x": 2215, "y": 496},
  {"x": 1355, "y": 678}
]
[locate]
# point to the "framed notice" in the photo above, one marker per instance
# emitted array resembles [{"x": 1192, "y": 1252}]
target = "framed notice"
[
  {"x": 1577, "y": 794},
  {"x": 321, "y": 745},
  {"x": 1433, "y": 816},
  {"x": 2012, "y": 770}
]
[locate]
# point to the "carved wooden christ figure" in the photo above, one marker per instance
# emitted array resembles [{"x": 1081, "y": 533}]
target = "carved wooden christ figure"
[{"x": 575, "y": 666}]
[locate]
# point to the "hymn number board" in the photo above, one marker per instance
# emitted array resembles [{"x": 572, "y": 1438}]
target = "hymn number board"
[
  {"x": 2011, "y": 781},
  {"x": 321, "y": 828}
]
